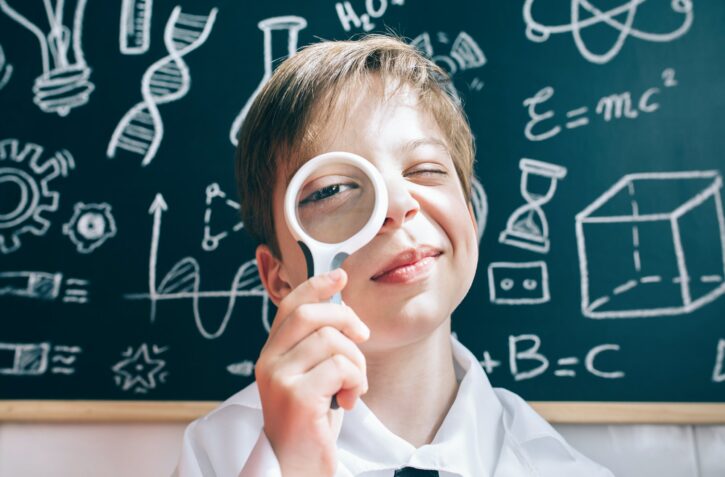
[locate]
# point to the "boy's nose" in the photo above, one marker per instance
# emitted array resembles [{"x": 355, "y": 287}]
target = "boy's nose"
[{"x": 402, "y": 206}]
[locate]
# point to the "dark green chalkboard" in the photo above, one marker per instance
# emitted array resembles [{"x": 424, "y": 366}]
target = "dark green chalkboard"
[{"x": 130, "y": 278}]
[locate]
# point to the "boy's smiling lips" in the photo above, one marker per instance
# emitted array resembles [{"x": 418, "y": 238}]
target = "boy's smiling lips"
[{"x": 407, "y": 265}]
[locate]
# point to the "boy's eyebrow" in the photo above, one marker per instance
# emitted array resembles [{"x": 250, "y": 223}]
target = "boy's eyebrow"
[{"x": 431, "y": 141}]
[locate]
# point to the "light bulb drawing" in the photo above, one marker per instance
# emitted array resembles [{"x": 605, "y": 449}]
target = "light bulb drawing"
[
  {"x": 289, "y": 25},
  {"x": 64, "y": 83},
  {"x": 527, "y": 227},
  {"x": 141, "y": 129}
]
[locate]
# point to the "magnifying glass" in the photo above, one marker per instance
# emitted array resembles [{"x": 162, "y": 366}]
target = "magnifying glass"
[{"x": 334, "y": 205}]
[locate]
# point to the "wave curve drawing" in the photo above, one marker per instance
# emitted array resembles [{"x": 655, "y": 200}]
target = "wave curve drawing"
[
  {"x": 539, "y": 33},
  {"x": 183, "y": 282},
  {"x": 141, "y": 129}
]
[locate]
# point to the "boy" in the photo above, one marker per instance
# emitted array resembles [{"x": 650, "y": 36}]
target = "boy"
[{"x": 413, "y": 400}]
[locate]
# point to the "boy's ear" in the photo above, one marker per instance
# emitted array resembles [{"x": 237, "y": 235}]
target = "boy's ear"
[{"x": 272, "y": 273}]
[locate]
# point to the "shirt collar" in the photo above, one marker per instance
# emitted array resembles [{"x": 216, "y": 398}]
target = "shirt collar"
[{"x": 468, "y": 442}]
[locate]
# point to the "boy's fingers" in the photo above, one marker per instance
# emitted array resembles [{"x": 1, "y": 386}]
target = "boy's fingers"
[
  {"x": 308, "y": 318},
  {"x": 332, "y": 375},
  {"x": 317, "y": 289},
  {"x": 319, "y": 346}
]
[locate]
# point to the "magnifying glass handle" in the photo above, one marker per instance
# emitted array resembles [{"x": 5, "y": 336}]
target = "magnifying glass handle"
[{"x": 311, "y": 272}]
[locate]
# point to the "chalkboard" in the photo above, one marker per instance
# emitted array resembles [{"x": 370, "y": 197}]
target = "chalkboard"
[{"x": 126, "y": 274}]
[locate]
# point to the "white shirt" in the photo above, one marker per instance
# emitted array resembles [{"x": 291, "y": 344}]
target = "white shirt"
[{"x": 487, "y": 433}]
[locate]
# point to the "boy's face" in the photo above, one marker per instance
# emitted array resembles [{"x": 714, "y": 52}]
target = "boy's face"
[{"x": 427, "y": 215}]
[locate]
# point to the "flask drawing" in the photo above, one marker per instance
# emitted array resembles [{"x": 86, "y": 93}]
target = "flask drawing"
[
  {"x": 286, "y": 25},
  {"x": 64, "y": 83},
  {"x": 141, "y": 129}
]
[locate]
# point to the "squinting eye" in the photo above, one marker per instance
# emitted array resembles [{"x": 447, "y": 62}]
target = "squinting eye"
[
  {"x": 426, "y": 172},
  {"x": 326, "y": 192}
]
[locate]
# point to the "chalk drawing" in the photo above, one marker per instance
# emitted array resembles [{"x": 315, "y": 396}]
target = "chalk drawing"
[
  {"x": 649, "y": 219},
  {"x": 480, "y": 206},
  {"x": 243, "y": 368},
  {"x": 349, "y": 18},
  {"x": 64, "y": 83},
  {"x": 288, "y": 26},
  {"x": 214, "y": 196},
  {"x": 140, "y": 369},
  {"x": 539, "y": 33},
  {"x": 614, "y": 106},
  {"x": 527, "y": 227},
  {"x": 718, "y": 373},
  {"x": 518, "y": 283},
  {"x": 566, "y": 366},
  {"x": 135, "y": 27},
  {"x": 90, "y": 226},
  {"x": 141, "y": 129},
  {"x": 37, "y": 359},
  {"x": 43, "y": 286},
  {"x": 183, "y": 282},
  {"x": 25, "y": 176},
  {"x": 464, "y": 54},
  {"x": 6, "y": 69}
]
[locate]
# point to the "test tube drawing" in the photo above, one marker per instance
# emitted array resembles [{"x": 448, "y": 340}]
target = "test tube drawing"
[
  {"x": 141, "y": 129},
  {"x": 135, "y": 26},
  {"x": 286, "y": 25},
  {"x": 64, "y": 83},
  {"x": 527, "y": 226},
  {"x": 43, "y": 286}
]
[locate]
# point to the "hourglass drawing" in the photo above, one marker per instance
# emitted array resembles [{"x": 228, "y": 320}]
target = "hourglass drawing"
[
  {"x": 527, "y": 226},
  {"x": 286, "y": 25}
]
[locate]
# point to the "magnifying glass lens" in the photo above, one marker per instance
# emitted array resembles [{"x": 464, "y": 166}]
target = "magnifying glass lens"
[{"x": 335, "y": 202}]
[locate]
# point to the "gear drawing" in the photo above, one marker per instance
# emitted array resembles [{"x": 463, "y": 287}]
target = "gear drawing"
[
  {"x": 90, "y": 226},
  {"x": 24, "y": 178}
]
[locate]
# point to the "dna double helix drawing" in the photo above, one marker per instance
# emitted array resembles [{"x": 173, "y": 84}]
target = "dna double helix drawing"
[{"x": 141, "y": 129}]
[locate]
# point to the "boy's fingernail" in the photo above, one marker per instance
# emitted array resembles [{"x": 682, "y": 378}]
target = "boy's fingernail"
[
  {"x": 336, "y": 275},
  {"x": 364, "y": 330}
]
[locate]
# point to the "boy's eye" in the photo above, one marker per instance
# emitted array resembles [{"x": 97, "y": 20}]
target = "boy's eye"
[
  {"x": 428, "y": 172},
  {"x": 326, "y": 192}
]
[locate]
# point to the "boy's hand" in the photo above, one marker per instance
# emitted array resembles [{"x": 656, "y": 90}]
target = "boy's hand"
[{"x": 310, "y": 356}]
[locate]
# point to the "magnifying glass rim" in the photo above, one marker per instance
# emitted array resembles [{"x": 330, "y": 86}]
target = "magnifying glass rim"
[{"x": 367, "y": 231}]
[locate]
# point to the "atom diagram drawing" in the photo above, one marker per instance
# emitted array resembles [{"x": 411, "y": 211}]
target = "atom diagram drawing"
[
  {"x": 621, "y": 19},
  {"x": 90, "y": 226},
  {"x": 25, "y": 175},
  {"x": 139, "y": 371}
]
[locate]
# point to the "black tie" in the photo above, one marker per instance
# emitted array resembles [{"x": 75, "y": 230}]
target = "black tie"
[{"x": 413, "y": 472}]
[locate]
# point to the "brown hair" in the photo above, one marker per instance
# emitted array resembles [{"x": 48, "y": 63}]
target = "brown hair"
[{"x": 278, "y": 132}]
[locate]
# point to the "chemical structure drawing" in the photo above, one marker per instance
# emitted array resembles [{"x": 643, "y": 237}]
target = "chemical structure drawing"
[
  {"x": 140, "y": 369},
  {"x": 183, "y": 282},
  {"x": 64, "y": 83},
  {"x": 286, "y": 27},
  {"x": 90, "y": 226},
  {"x": 639, "y": 243},
  {"x": 214, "y": 197},
  {"x": 578, "y": 23},
  {"x": 141, "y": 129},
  {"x": 350, "y": 19},
  {"x": 25, "y": 175}
]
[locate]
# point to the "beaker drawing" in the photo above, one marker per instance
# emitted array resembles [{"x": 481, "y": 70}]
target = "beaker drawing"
[
  {"x": 527, "y": 226},
  {"x": 286, "y": 25}
]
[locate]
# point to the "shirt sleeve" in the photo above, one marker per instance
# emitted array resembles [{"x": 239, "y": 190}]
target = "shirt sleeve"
[{"x": 261, "y": 461}]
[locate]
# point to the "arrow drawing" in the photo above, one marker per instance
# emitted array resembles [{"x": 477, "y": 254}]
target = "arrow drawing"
[{"x": 183, "y": 282}]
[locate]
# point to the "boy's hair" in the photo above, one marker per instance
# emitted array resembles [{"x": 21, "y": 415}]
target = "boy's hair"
[{"x": 279, "y": 132}]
